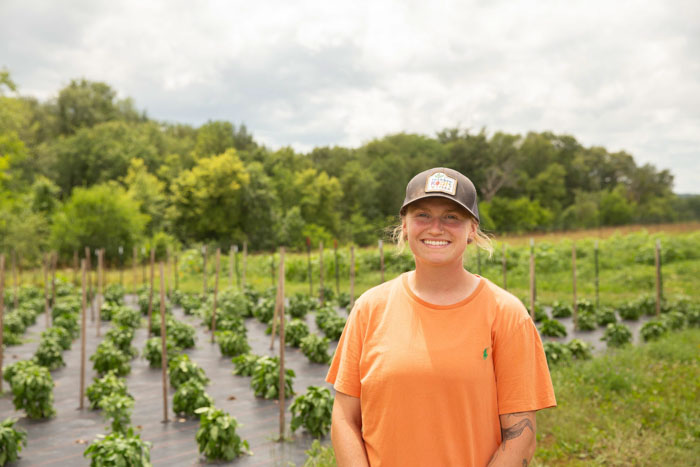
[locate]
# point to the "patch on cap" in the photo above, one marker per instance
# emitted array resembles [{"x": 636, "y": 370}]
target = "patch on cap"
[{"x": 441, "y": 182}]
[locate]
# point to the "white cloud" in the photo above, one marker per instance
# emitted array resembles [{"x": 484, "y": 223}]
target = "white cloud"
[{"x": 619, "y": 74}]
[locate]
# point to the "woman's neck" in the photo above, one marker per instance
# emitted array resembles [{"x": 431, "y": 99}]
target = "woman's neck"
[{"x": 442, "y": 285}]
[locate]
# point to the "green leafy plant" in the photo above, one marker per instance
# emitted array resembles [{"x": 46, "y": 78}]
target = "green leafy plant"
[
  {"x": 264, "y": 310},
  {"x": 579, "y": 349},
  {"x": 69, "y": 322},
  {"x": 108, "y": 357},
  {"x": 117, "y": 408},
  {"x": 561, "y": 310},
  {"x": 32, "y": 390},
  {"x": 217, "y": 438},
  {"x": 181, "y": 369},
  {"x": 49, "y": 353},
  {"x": 122, "y": 336},
  {"x": 114, "y": 294},
  {"x": 312, "y": 410},
  {"x": 319, "y": 456},
  {"x": 245, "y": 364},
  {"x": 605, "y": 316},
  {"x": 617, "y": 335},
  {"x": 119, "y": 450},
  {"x": 266, "y": 378},
  {"x": 233, "y": 303},
  {"x": 152, "y": 351},
  {"x": 630, "y": 311},
  {"x": 675, "y": 320},
  {"x": 540, "y": 314},
  {"x": 14, "y": 323},
  {"x": 10, "y": 338},
  {"x": 231, "y": 343},
  {"x": 552, "y": 328},
  {"x": 556, "y": 353},
  {"x": 330, "y": 322},
  {"x": 343, "y": 300},
  {"x": 182, "y": 334},
  {"x": 126, "y": 316},
  {"x": 231, "y": 323},
  {"x": 295, "y": 331},
  {"x": 190, "y": 302},
  {"x": 652, "y": 330},
  {"x": 586, "y": 321},
  {"x": 189, "y": 397},
  {"x": 13, "y": 368},
  {"x": 58, "y": 334},
  {"x": 300, "y": 304},
  {"x": 107, "y": 310},
  {"x": 102, "y": 387},
  {"x": 11, "y": 441},
  {"x": 315, "y": 348}
]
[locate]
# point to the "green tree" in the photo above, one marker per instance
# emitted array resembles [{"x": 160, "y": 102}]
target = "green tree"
[
  {"x": 148, "y": 191},
  {"x": 206, "y": 200},
  {"x": 102, "y": 216},
  {"x": 615, "y": 208}
]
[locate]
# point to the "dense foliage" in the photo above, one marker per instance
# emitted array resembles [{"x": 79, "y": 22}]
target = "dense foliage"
[
  {"x": 11, "y": 441},
  {"x": 119, "y": 449},
  {"x": 312, "y": 410},
  {"x": 217, "y": 438}
]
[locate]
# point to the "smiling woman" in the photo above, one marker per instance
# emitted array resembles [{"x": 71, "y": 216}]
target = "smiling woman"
[{"x": 438, "y": 366}]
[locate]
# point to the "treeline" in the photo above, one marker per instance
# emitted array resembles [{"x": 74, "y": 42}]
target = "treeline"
[{"x": 88, "y": 169}]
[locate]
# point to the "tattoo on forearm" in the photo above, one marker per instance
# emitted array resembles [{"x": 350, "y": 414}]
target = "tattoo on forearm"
[
  {"x": 524, "y": 462},
  {"x": 516, "y": 430}
]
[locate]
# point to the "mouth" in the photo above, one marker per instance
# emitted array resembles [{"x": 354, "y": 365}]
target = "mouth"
[{"x": 436, "y": 243}]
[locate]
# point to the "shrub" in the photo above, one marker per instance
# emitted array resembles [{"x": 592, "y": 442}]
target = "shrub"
[
  {"x": 32, "y": 390},
  {"x": 101, "y": 387},
  {"x": 579, "y": 349},
  {"x": 152, "y": 351},
  {"x": 266, "y": 378},
  {"x": 652, "y": 330},
  {"x": 312, "y": 410},
  {"x": 190, "y": 302},
  {"x": 13, "y": 323},
  {"x": 108, "y": 358},
  {"x": 300, "y": 304},
  {"x": 265, "y": 310},
  {"x": 561, "y": 310},
  {"x": 11, "y": 441},
  {"x": 556, "y": 353},
  {"x": 181, "y": 369},
  {"x": 118, "y": 450},
  {"x": 107, "y": 310},
  {"x": 127, "y": 316},
  {"x": 584, "y": 305},
  {"x": 58, "y": 334},
  {"x": 234, "y": 303},
  {"x": 121, "y": 337},
  {"x": 117, "y": 408},
  {"x": 49, "y": 354},
  {"x": 540, "y": 314},
  {"x": 617, "y": 335},
  {"x": 245, "y": 364},
  {"x": 586, "y": 321},
  {"x": 13, "y": 368},
  {"x": 330, "y": 323},
  {"x": 9, "y": 338},
  {"x": 182, "y": 334},
  {"x": 231, "y": 323},
  {"x": 217, "y": 438},
  {"x": 295, "y": 331},
  {"x": 343, "y": 300},
  {"x": 629, "y": 311},
  {"x": 315, "y": 348},
  {"x": 605, "y": 316},
  {"x": 231, "y": 343},
  {"x": 69, "y": 322},
  {"x": 189, "y": 397},
  {"x": 675, "y": 320},
  {"x": 552, "y": 328},
  {"x": 114, "y": 294}
]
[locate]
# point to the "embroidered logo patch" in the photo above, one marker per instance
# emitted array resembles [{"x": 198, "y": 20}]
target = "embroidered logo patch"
[
  {"x": 441, "y": 182},
  {"x": 486, "y": 353}
]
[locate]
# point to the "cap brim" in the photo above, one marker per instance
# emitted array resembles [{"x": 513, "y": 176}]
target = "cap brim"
[{"x": 438, "y": 195}]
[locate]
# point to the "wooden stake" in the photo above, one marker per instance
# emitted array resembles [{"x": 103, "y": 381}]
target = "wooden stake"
[
  {"x": 352, "y": 276},
  {"x": 573, "y": 271},
  {"x": 150, "y": 291},
  {"x": 320, "y": 267},
  {"x": 143, "y": 266},
  {"x": 657, "y": 260},
  {"x": 230, "y": 267},
  {"x": 167, "y": 273},
  {"x": 46, "y": 291},
  {"x": 163, "y": 341},
  {"x": 82, "y": 332},
  {"x": 121, "y": 266},
  {"x": 235, "y": 266},
  {"x": 76, "y": 264},
  {"x": 280, "y": 293},
  {"x": 532, "y": 278},
  {"x": 505, "y": 268},
  {"x": 216, "y": 293},
  {"x": 100, "y": 291},
  {"x": 54, "y": 260},
  {"x": 381, "y": 260},
  {"x": 337, "y": 268},
  {"x": 88, "y": 284},
  {"x": 245, "y": 263},
  {"x": 16, "y": 283},
  {"x": 2, "y": 312},
  {"x": 177, "y": 275},
  {"x": 272, "y": 269},
  {"x": 204, "y": 272},
  {"x": 597, "y": 290}
]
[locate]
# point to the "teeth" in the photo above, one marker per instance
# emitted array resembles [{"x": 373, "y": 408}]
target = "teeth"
[{"x": 435, "y": 242}]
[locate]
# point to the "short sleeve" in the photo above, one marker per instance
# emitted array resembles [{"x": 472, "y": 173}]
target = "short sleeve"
[
  {"x": 344, "y": 373},
  {"x": 523, "y": 381}
]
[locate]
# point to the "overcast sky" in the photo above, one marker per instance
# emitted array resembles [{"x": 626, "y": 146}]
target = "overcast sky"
[{"x": 621, "y": 74}]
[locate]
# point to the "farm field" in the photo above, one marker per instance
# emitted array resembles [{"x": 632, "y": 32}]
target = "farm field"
[{"x": 627, "y": 282}]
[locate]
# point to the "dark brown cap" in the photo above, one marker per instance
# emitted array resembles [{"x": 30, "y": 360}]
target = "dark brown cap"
[{"x": 442, "y": 182}]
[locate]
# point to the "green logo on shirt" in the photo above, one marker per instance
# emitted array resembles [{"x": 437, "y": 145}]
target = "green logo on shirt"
[{"x": 486, "y": 352}]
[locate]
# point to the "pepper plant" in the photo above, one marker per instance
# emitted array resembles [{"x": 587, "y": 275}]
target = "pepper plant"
[
  {"x": 119, "y": 450},
  {"x": 108, "y": 357},
  {"x": 265, "y": 381},
  {"x": 312, "y": 410},
  {"x": 217, "y": 438},
  {"x": 49, "y": 353},
  {"x": 245, "y": 364},
  {"x": 315, "y": 348},
  {"x": 102, "y": 387},
  {"x": 32, "y": 390},
  {"x": 181, "y": 369},
  {"x": 231, "y": 343},
  {"x": 117, "y": 408},
  {"x": 189, "y": 397},
  {"x": 11, "y": 441}
]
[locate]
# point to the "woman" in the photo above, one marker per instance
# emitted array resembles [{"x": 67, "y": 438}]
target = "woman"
[{"x": 439, "y": 366}]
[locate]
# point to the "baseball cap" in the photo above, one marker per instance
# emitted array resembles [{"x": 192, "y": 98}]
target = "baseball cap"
[{"x": 442, "y": 182}]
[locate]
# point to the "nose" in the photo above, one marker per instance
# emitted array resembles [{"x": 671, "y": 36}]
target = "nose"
[{"x": 436, "y": 225}]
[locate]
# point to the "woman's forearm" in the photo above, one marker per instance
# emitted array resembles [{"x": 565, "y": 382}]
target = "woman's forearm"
[
  {"x": 518, "y": 440},
  {"x": 348, "y": 445}
]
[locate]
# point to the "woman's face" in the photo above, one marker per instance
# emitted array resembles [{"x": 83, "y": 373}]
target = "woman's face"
[{"x": 437, "y": 230}]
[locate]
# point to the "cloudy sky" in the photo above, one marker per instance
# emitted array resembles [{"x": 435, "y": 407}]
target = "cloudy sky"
[{"x": 621, "y": 74}]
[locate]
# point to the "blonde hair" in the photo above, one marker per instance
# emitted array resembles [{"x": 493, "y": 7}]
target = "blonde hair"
[{"x": 480, "y": 239}]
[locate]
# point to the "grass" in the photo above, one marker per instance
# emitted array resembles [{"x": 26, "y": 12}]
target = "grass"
[{"x": 635, "y": 406}]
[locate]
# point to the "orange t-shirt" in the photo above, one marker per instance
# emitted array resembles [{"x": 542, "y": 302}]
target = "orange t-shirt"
[{"x": 432, "y": 380}]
